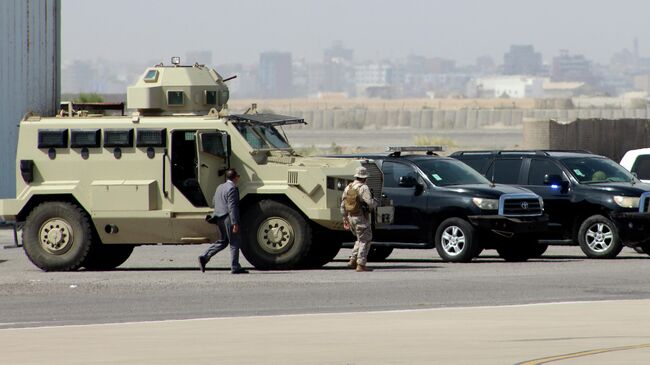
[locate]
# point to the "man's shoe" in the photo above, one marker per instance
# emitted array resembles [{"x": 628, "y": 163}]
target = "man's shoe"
[
  {"x": 239, "y": 271},
  {"x": 202, "y": 262},
  {"x": 363, "y": 268},
  {"x": 352, "y": 264}
]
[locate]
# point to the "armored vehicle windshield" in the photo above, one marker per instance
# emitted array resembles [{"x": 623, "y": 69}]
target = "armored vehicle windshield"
[{"x": 260, "y": 131}]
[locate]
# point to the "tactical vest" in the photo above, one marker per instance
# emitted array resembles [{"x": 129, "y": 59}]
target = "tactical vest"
[{"x": 352, "y": 202}]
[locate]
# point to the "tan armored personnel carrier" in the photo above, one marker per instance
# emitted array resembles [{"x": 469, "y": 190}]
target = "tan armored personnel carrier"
[{"x": 91, "y": 187}]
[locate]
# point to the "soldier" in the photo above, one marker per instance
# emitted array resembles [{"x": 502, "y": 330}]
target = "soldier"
[{"x": 356, "y": 205}]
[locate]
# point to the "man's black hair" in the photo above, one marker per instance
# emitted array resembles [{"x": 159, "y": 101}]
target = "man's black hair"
[{"x": 231, "y": 174}]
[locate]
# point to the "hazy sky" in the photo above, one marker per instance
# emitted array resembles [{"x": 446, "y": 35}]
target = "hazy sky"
[{"x": 238, "y": 30}]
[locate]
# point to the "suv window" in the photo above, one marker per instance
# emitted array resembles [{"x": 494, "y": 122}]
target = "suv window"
[
  {"x": 477, "y": 164},
  {"x": 505, "y": 171},
  {"x": 540, "y": 168},
  {"x": 642, "y": 167},
  {"x": 393, "y": 171}
]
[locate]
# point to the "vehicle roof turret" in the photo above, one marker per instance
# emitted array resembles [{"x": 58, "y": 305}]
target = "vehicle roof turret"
[{"x": 178, "y": 89}]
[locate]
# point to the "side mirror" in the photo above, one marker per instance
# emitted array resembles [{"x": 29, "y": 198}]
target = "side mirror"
[
  {"x": 556, "y": 181},
  {"x": 407, "y": 181}
]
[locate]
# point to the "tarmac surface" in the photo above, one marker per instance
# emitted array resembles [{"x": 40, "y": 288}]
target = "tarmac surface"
[{"x": 412, "y": 309}]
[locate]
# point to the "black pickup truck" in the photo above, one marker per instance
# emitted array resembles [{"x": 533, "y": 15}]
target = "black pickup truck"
[
  {"x": 590, "y": 199},
  {"x": 440, "y": 202}
]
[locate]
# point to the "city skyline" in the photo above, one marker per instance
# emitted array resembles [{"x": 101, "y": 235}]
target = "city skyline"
[{"x": 237, "y": 32}]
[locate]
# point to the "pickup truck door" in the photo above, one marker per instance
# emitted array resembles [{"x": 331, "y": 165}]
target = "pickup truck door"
[{"x": 213, "y": 151}]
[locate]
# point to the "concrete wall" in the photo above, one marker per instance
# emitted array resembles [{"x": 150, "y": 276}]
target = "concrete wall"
[
  {"x": 607, "y": 137},
  {"x": 357, "y": 118},
  {"x": 29, "y": 72}
]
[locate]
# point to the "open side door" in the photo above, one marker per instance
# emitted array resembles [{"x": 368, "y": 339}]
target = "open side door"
[{"x": 213, "y": 151}]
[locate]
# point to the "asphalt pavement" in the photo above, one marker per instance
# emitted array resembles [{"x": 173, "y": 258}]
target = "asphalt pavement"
[{"x": 164, "y": 282}]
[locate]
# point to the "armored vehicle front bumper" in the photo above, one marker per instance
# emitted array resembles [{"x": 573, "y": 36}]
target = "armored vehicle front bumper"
[{"x": 509, "y": 226}]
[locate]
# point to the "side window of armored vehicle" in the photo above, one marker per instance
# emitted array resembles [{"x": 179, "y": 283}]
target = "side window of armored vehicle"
[
  {"x": 539, "y": 169},
  {"x": 642, "y": 167},
  {"x": 505, "y": 171},
  {"x": 175, "y": 98},
  {"x": 210, "y": 97},
  {"x": 214, "y": 144},
  {"x": 393, "y": 171},
  {"x": 477, "y": 163}
]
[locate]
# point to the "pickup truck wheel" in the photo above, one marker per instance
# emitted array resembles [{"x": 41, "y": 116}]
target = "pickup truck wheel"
[
  {"x": 379, "y": 253},
  {"x": 275, "y": 236},
  {"x": 598, "y": 238},
  {"x": 57, "y": 236},
  {"x": 107, "y": 257},
  {"x": 455, "y": 240}
]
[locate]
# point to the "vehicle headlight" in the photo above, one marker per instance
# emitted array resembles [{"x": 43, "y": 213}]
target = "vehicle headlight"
[
  {"x": 486, "y": 204},
  {"x": 626, "y": 201}
]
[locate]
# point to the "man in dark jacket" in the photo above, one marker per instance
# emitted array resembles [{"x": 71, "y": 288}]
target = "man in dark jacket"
[{"x": 226, "y": 214}]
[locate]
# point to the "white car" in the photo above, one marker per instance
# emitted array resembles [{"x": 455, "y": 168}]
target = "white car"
[{"x": 638, "y": 162}]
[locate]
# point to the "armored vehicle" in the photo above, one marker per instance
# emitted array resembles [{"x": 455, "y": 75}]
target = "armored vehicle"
[
  {"x": 591, "y": 200},
  {"x": 91, "y": 187},
  {"x": 441, "y": 202}
]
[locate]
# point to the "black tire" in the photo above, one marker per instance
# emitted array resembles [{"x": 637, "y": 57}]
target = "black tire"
[
  {"x": 291, "y": 231},
  {"x": 107, "y": 257},
  {"x": 57, "y": 236},
  {"x": 321, "y": 253},
  {"x": 449, "y": 251},
  {"x": 514, "y": 251},
  {"x": 606, "y": 246},
  {"x": 642, "y": 249},
  {"x": 379, "y": 253},
  {"x": 537, "y": 249}
]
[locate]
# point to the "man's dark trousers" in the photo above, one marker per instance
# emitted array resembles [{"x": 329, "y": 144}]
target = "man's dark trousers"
[{"x": 227, "y": 237}]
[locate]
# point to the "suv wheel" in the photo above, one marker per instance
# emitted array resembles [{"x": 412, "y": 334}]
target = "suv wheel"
[
  {"x": 275, "y": 236},
  {"x": 455, "y": 240},
  {"x": 57, "y": 236},
  {"x": 598, "y": 238}
]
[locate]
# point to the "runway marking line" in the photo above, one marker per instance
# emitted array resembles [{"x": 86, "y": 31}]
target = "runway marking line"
[
  {"x": 315, "y": 314},
  {"x": 546, "y": 360}
]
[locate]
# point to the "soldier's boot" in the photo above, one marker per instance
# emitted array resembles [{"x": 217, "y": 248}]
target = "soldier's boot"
[
  {"x": 352, "y": 264},
  {"x": 363, "y": 268}
]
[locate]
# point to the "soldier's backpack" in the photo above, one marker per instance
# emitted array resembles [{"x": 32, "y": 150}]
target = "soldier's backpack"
[{"x": 351, "y": 203}]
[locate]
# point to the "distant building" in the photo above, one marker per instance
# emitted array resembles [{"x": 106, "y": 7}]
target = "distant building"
[
  {"x": 642, "y": 83},
  {"x": 275, "y": 75},
  {"x": 338, "y": 69},
  {"x": 565, "y": 89},
  {"x": 567, "y": 67},
  {"x": 514, "y": 87},
  {"x": 378, "y": 80},
  {"x": 201, "y": 57},
  {"x": 522, "y": 60}
]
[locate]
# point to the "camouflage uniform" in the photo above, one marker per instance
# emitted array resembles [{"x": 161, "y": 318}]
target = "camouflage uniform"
[{"x": 360, "y": 224}]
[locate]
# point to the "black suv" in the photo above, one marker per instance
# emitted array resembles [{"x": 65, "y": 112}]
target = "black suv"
[
  {"x": 441, "y": 202},
  {"x": 589, "y": 198}
]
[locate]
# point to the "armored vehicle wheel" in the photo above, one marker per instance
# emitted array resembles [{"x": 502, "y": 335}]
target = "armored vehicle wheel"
[
  {"x": 643, "y": 248},
  {"x": 107, "y": 257},
  {"x": 321, "y": 253},
  {"x": 57, "y": 236},
  {"x": 275, "y": 236},
  {"x": 379, "y": 253},
  {"x": 455, "y": 240},
  {"x": 598, "y": 238}
]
